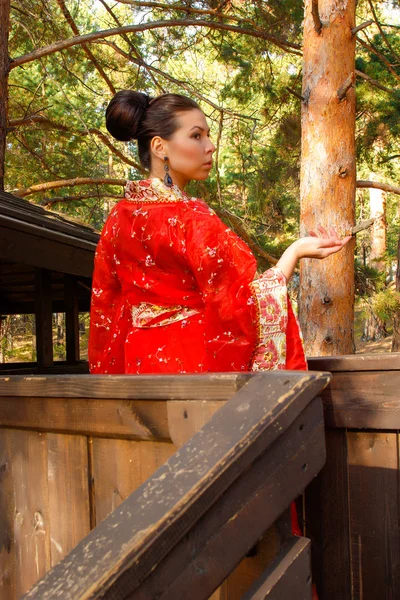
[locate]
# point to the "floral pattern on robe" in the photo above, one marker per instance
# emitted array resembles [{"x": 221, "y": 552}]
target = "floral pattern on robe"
[{"x": 175, "y": 291}]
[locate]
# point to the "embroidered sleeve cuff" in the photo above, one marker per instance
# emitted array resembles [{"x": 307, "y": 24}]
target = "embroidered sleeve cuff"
[{"x": 270, "y": 294}]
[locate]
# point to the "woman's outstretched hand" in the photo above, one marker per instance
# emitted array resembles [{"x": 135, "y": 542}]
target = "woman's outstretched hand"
[
  {"x": 321, "y": 245},
  {"x": 316, "y": 245}
]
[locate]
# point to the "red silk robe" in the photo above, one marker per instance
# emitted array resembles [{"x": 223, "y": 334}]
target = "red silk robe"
[{"x": 175, "y": 291}]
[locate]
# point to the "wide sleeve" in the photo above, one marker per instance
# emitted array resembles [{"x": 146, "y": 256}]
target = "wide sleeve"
[
  {"x": 247, "y": 317},
  {"x": 107, "y": 323}
]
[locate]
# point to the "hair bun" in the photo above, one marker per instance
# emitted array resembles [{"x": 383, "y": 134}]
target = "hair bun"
[{"x": 125, "y": 114}]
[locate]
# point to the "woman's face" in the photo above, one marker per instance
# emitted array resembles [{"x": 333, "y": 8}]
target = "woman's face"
[{"x": 190, "y": 149}]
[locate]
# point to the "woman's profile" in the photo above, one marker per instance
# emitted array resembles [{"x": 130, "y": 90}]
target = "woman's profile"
[{"x": 174, "y": 289}]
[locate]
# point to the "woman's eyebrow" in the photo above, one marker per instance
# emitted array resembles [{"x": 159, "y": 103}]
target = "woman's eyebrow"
[{"x": 199, "y": 127}]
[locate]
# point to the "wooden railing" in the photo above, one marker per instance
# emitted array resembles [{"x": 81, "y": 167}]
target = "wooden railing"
[
  {"x": 73, "y": 447},
  {"x": 353, "y": 507}
]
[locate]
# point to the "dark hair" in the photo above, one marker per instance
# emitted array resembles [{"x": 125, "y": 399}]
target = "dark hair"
[{"x": 133, "y": 115}]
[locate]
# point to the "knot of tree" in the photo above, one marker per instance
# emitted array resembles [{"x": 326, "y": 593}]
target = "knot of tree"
[
  {"x": 326, "y": 300},
  {"x": 342, "y": 172}
]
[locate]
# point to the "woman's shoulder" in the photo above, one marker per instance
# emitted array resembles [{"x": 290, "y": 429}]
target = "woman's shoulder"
[{"x": 155, "y": 192}]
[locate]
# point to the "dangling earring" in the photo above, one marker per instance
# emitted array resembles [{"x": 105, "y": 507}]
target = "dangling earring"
[{"x": 167, "y": 178}]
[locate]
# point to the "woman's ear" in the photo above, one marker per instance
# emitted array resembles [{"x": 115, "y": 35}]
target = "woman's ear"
[{"x": 158, "y": 147}]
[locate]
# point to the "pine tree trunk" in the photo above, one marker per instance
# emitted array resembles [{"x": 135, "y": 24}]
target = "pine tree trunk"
[
  {"x": 328, "y": 173},
  {"x": 396, "y": 318},
  {"x": 377, "y": 203},
  {"x": 374, "y": 328},
  {"x": 4, "y": 70}
]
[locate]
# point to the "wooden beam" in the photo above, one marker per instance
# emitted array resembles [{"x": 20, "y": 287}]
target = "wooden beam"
[
  {"x": 71, "y": 319},
  {"x": 287, "y": 576},
  {"x": 216, "y": 386},
  {"x": 123, "y": 419},
  {"x": 28, "y": 308},
  {"x": 43, "y": 318},
  {"x": 356, "y": 362},
  {"x": 363, "y": 400}
]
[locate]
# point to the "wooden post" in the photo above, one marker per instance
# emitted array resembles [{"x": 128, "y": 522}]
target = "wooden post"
[
  {"x": 43, "y": 318},
  {"x": 328, "y": 172},
  {"x": 71, "y": 319},
  {"x": 4, "y": 70},
  {"x": 396, "y": 318}
]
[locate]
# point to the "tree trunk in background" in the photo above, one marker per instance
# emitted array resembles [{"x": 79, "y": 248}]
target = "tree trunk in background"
[
  {"x": 4, "y": 69},
  {"x": 377, "y": 204},
  {"x": 374, "y": 328},
  {"x": 328, "y": 174},
  {"x": 396, "y": 318}
]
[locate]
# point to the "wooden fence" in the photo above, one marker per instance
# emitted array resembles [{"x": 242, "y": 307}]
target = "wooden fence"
[
  {"x": 73, "y": 448},
  {"x": 352, "y": 508}
]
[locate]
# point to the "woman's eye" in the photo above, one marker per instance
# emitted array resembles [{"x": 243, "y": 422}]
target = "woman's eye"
[{"x": 196, "y": 136}]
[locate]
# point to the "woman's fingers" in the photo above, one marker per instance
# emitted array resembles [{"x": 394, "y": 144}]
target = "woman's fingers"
[{"x": 329, "y": 234}]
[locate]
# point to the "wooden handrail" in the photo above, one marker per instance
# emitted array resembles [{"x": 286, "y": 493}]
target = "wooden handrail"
[
  {"x": 364, "y": 391},
  {"x": 215, "y": 497}
]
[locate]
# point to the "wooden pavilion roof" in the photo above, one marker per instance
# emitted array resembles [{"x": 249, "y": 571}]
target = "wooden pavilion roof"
[{"x": 33, "y": 238}]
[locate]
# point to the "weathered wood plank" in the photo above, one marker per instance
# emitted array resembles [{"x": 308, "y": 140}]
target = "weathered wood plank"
[
  {"x": 218, "y": 386},
  {"x": 187, "y": 417},
  {"x": 132, "y": 419},
  {"x": 327, "y": 521},
  {"x": 288, "y": 576},
  {"x": 356, "y": 362},
  {"x": 374, "y": 514},
  {"x": 28, "y": 461},
  {"x": 229, "y": 529},
  {"x": 120, "y": 467},
  {"x": 264, "y": 444},
  {"x": 68, "y": 492},
  {"x": 7, "y": 512},
  {"x": 361, "y": 400},
  {"x": 253, "y": 565},
  {"x": 43, "y": 318}
]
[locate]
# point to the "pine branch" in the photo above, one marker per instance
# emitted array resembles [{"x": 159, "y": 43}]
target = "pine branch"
[
  {"x": 382, "y": 32},
  {"x": 188, "y": 9},
  {"x": 51, "y": 185},
  {"x": 373, "y": 50},
  {"x": 97, "y": 35},
  {"x": 374, "y": 82},
  {"x": 361, "y": 26},
  {"x": 130, "y": 45},
  {"x": 361, "y": 226},
  {"x": 87, "y": 50},
  {"x": 315, "y": 16},
  {"x": 61, "y": 199},
  {"x": 45, "y": 122},
  {"x": 386, "y": 187}
]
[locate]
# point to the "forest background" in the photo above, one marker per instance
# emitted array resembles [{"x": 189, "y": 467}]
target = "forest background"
[{"x": 242, "y": 61}]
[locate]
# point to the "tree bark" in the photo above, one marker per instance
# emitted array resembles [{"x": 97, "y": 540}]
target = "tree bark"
[
  {"x": 328, "y": 174},
  {"x": 4, "y": 70},
  {"x": 377, "y": 204},
  {"x": 374, "y": 328}
]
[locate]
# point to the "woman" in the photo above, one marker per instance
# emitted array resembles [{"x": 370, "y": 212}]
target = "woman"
[{"x": 174, "y": 289}]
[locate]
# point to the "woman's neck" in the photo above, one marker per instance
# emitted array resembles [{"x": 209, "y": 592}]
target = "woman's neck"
[{"x": 177, "y": 179}]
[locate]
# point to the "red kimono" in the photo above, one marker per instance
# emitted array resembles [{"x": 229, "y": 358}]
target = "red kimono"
[{"x": 174, "y": 291}]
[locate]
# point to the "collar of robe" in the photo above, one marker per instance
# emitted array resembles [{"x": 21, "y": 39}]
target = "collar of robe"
[{"x": 153, "y": 190}]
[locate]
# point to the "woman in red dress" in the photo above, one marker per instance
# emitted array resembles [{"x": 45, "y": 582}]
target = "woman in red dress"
[{"x": 174, "y": 289}]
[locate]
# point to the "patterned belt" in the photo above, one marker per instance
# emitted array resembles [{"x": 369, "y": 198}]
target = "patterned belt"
[{"x": 145, "y": 315}]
